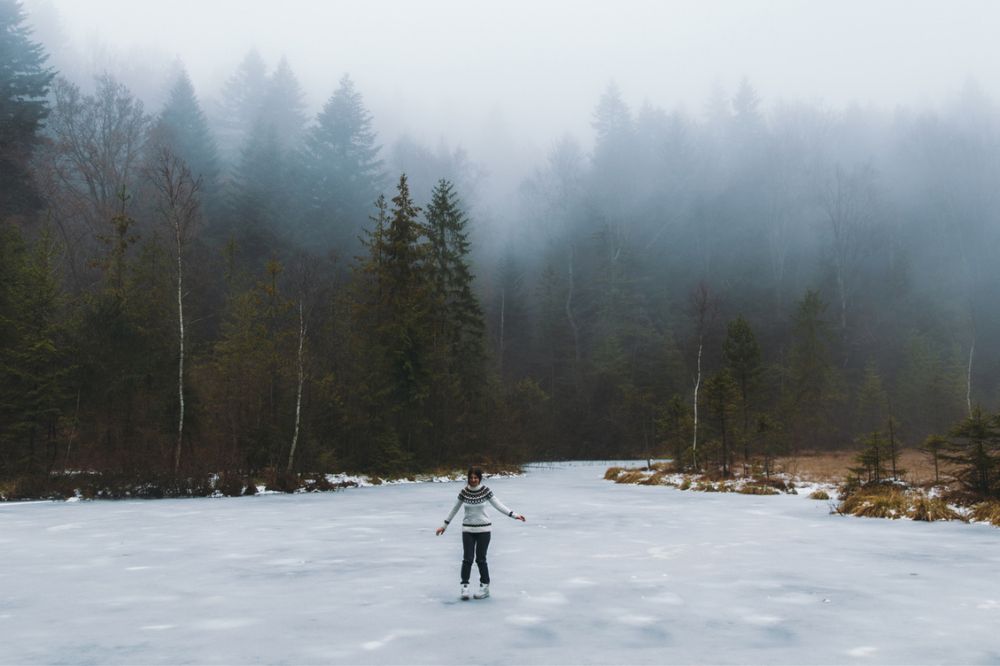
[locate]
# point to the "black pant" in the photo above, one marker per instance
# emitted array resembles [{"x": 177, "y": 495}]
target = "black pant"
[{"x": 475, "y": 544}]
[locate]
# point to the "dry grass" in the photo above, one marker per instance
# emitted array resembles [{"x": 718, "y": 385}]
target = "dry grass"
[
  {"x": 931, "y": 509},
  {"x": 613, "y": 473},
  {"x": 630, "y": 476},
  {"x": 656, "y": 479},
  {"x": 832, "y": 466},
  {"x": 987, "y": 512},
  {"x": 881, "y": 502},
  {"x": 894, "y": 502},
  {"x": 685, "y": 484},
  {"x": 819, "y": 495},
  {"x": 757, "y": 490}
]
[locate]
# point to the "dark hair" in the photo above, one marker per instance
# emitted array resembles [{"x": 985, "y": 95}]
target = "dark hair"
[{"x": 474, "y": 471}]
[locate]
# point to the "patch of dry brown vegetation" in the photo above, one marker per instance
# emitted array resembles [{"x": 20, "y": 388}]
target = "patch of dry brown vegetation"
[
  {"x": 631, "y": 476},
  {"x": 987, "y": 512},
  {"x": 751, "y": 489},
  {"x": 876, "y": 502},
  {"x": 833, "y": 466},
  {"x": 931, "y": 509},
  {"x": 819, "y": 495},
  {"x": 612, "y": 473}
]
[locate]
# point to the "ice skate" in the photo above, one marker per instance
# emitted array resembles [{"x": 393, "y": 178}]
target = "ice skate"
[
  {"x": 484, "y": 591},
  {"x": 464, "y": 594}
]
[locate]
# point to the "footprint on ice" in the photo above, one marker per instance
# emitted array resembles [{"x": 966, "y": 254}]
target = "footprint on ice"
[{"x": 862, "y": 651}]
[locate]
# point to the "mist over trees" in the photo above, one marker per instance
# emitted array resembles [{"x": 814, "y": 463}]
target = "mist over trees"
[{"x": 224, "y": 283}]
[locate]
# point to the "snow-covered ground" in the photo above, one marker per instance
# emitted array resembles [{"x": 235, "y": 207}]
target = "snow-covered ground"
[{"x": 600, "y": 573}]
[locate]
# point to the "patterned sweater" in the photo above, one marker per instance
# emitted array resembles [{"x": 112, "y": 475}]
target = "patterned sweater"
[{"x": 475, "y": 509}]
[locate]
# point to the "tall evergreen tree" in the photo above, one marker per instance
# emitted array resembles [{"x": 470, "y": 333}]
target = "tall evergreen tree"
[
  {"x": 343, "y": 171},
  {"x": 741, "y": 353},
  {"x": 34, "y": 363},
  {"x": 241, "y": 103},
  {"x": 812, "y": 386},
  {"x": 24, "y": 85},
  {"x": 183, "y": 128},
  {"x": 284, "y": 107},
  {"x": 453, "y": 281}
]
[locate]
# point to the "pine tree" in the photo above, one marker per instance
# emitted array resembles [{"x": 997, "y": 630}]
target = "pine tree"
[
  {"x": 259, "y": 195},
  {"x": 183, "y": 128},
  {"x": 741, "y": 353},
  {"x": 24, "y": 86},
  {"x": 453, "y": 282},
  {"x": 34, "y": 363},
  {"x": 721, "y": 397},
  {"x": 812, "y": 386},
  {"x": 283, "y": 106},
  {"x": 974, "y": 445},
  {"x": 342, "y": 169},
  {"x": 242, "y": 100},
  {"x": 457, "y": 322},
  {"x": 392, "y": 339}
]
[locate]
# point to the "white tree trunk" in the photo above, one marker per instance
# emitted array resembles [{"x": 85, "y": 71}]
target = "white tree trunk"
[
  {"x": 697, "y": 385},
  {"x": 180, "y": 363},
  {"x": 298, "y": 399},
  {"x": 968, "y": 378}
]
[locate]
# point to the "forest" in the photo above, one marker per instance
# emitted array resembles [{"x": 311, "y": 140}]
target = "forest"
[{"x": 257, "y": 290}]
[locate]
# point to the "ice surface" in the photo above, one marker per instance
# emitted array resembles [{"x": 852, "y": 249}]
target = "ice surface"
[{"x": 600, "y": 573}]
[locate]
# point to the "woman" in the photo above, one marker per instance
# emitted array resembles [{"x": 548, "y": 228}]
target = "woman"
[{"x": 476, "y": 530}]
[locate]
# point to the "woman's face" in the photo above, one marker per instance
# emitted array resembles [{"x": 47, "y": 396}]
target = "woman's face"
[{"x": 474, "y": 480}]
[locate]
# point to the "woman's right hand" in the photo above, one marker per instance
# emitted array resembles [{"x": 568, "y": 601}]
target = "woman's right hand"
[{"x": 440, "y": 531}]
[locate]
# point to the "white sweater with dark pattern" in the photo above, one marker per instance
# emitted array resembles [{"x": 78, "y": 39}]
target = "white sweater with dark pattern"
[{"x": 475, "y": 509}]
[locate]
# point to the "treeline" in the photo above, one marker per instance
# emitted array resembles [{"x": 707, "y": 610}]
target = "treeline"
[
  {"x": 257, "y": 290},
  {"x": 166, "y": 309}
]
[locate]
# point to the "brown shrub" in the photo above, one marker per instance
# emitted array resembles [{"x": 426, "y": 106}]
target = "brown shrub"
[
  {"x": 987, "y": 512},
  {"x": 656, "y": 479},
  {"x": 631, "y": 476},
  {"x": 931, "y": 509},
  {"x": 612, "y": 473},
  {"x": 230, "y": 485},
  {"x": 685, "y": 484},
  {"x": 877, "y": 502},
  {"x": 750, "y": 489},
  {"x": 819, "y": 495}
]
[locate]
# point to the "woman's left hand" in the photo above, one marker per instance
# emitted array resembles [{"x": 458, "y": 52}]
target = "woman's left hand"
[{"x": 521, "y": 518}]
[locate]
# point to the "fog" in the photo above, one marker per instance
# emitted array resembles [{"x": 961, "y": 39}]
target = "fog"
[
  {"x": 506, "y": 81},
  {"x": 614, "y": 199}
]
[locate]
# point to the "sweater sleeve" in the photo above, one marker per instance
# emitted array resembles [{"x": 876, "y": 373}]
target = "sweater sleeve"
[
  {"x": 498, "y": 505},
  {"x": 454, "y": 510}
]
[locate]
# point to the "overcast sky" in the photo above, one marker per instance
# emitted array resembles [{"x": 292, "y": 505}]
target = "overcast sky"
[{"x": 537, "y": 67}]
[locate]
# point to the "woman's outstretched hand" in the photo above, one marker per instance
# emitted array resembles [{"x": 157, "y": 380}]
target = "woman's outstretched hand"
[
  {"x": 521, "y": 518},
  {"x": 440, "y": 531}
]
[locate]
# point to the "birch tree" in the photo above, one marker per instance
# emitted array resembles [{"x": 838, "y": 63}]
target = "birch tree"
[
  {"x": 178, "y": 207},
  {"x": 704, "y": 308}
]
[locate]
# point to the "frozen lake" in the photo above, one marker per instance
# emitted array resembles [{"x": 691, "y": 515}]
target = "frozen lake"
[{"x": 600, "y": 573}]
